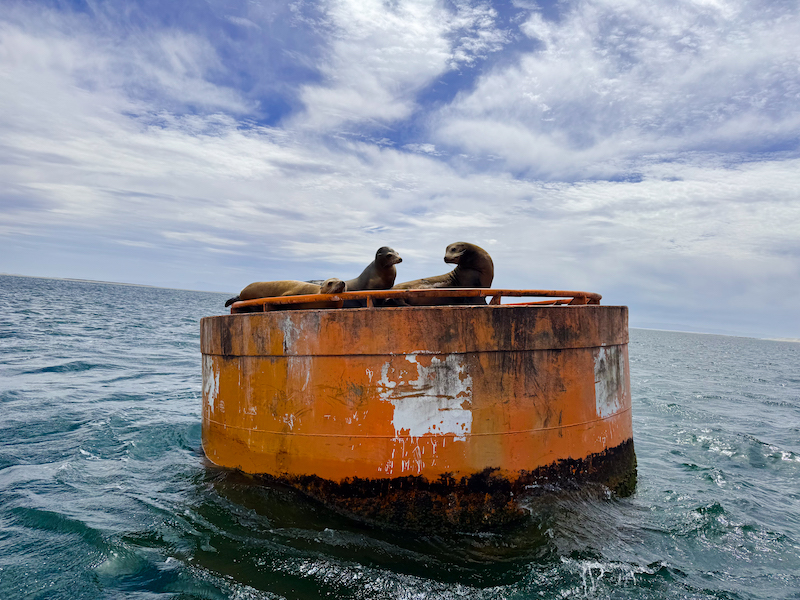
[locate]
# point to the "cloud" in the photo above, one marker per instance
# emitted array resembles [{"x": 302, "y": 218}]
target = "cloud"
[
  {"x": 422, "y": 148},
  {"x": 202, "y": 238},
  {"x": 127, "y": 71},
  {"x": 242, "y": 22},
  {"x": 381, "y": 55},
  {"x": 616, "y": 80},
  {"x": 645, "y": 153}
]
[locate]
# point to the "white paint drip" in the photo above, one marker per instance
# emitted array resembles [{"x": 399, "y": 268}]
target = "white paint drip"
[
  {"x": 290, "y": 333},
  {"x": 433, "y": 403},
  {"x": 609, "y": 380},
  {"x": 210, "y": 382}
]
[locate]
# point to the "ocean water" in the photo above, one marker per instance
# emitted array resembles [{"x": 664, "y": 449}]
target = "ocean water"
[{"x": 105, "y": 492}]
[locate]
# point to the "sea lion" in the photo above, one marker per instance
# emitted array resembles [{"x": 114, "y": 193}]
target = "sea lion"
[
  {"x": 474, "y": 269},
  {"x": 379, "y": 274},
  {"x": 287, "y": 287}
]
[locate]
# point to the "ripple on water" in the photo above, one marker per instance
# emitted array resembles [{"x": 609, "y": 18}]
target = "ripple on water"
[
  {"x": 76, "y": 366},
  {"x": 106, "y": 494}
]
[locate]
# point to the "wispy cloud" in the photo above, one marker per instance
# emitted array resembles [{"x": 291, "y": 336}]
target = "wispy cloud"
[
  {"x": 382, "y": 54},
  {"x": 618, "y": 80},
  {"x": 647, "y": 152}
]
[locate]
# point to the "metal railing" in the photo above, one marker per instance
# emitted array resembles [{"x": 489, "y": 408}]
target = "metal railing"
[{"x": 375, "y": 298}]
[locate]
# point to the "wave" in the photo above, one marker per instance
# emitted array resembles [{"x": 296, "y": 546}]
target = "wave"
[{"x": 75, "y": 366}]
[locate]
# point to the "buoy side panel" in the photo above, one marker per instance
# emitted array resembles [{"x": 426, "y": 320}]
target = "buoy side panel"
[{"x": 281, "y": 412}]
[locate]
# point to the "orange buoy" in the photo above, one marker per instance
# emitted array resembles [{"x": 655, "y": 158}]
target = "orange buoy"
[{"x": 427, "y": 415}]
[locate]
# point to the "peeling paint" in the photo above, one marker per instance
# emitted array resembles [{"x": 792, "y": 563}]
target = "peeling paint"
[
  {"x": 290, "y": 333},
  {"x": 609, "y": 378},
  {"x": 210, "y": 382},
  {"x": 434, "y": 402},
  {"x": 356, "y": 418}
]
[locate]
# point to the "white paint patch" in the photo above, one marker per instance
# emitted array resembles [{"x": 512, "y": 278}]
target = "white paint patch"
[
  {"x": 433, "y": 402},
  {"x": 210, "y": 382},
  {"x": 289, "y": 420},
  {"x": 609, "y": 380},
  {"x": 290, "y": 333}
]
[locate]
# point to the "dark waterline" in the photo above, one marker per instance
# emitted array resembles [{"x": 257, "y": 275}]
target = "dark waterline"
[{"x": 105, "y": 493}]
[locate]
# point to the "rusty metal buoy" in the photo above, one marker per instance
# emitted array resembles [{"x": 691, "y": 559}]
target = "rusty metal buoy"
[{"x": 421, "y": 416}]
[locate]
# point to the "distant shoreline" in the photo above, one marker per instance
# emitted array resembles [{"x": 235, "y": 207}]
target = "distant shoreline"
[
  {"x": 751, "y": 337},
  {"x": 143, "y": 285}
]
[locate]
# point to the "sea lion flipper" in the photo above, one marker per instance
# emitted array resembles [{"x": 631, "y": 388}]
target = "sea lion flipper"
[{"x": 230, "y": 301}]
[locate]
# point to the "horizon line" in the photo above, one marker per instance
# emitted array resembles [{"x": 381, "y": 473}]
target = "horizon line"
[{"x": 159, "y": 287}]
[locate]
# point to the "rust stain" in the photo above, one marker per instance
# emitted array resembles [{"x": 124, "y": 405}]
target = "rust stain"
[
  {"x": 484, "y": 501},
  {"x": 434, "y": 394}
]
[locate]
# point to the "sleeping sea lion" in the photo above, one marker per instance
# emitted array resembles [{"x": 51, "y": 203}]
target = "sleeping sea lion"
[
  {"x": 379, "y": 274},
  {"x": 287, "y": 287},
  {"x": 474, "y": 269}
]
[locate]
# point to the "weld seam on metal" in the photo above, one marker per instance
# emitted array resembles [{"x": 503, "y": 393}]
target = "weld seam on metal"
[
  {"x": 416, "y": 437},
  {"x": 420, "y": 352}
]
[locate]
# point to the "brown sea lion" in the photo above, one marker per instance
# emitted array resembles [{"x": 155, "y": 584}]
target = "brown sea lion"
[
  {"x": 287, "y": 287},
  {"x": 474, "y": 269},
  {"x": 379, "y": 274}
]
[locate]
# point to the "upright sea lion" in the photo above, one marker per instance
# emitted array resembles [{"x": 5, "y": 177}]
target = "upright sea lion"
[
  {"x": 474, "y": 269},
  {"x": 379, "y": 274},
  {"x": 287, "y": 287}
]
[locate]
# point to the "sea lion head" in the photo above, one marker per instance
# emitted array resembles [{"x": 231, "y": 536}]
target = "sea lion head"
[
  {"x": 386, "y": 257},
  {"x": 455, "y": 251},
  {"x": 332, "y": 286},
  {"x": 469, "y": 256}
]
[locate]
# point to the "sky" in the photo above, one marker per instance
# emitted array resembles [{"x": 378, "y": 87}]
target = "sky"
[{"x": 644, "y": 150}]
